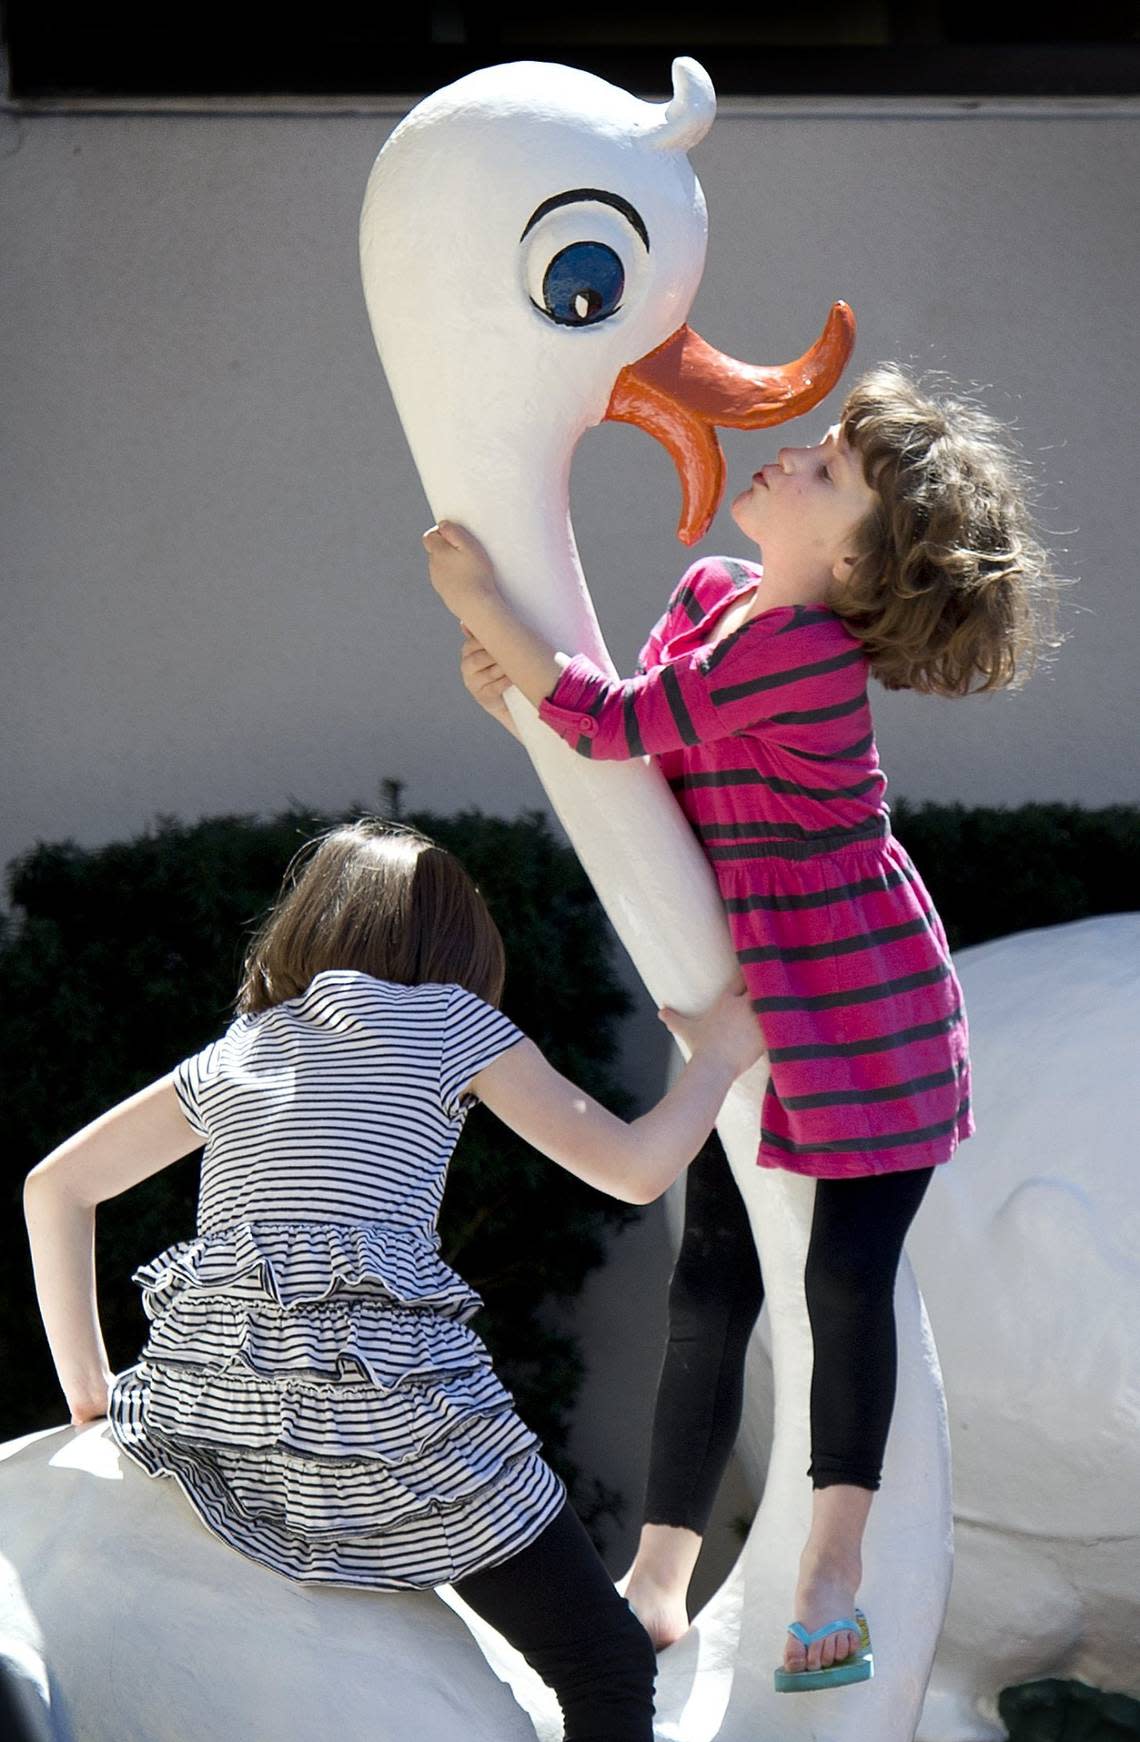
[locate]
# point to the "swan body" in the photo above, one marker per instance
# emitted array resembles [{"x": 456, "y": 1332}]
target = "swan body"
[
  {"x": 1026, "y": 1255},
  {"x": 1029, "y": 1265}
]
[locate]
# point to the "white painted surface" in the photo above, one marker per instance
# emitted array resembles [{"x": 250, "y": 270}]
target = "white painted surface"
[
  {"x": 1027, "y": 1255},
  {"x": 157, "y": 1632}
]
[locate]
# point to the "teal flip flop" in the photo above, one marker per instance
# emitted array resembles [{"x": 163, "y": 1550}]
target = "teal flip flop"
[{"x": 859, "y": 1666}]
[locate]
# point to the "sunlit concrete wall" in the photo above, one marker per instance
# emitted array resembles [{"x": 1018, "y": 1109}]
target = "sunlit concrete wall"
[{"x": 214, "y": 595}]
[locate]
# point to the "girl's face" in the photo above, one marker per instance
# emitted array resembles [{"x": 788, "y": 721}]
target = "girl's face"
[{"x": 803, "y": 508}]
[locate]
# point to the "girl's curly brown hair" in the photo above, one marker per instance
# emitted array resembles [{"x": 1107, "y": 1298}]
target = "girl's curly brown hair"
[{"x": 950, "y": 591}]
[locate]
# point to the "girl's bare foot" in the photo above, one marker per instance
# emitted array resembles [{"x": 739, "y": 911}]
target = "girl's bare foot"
[
  {"x": 831, "y": 1568},
  {"x": 656, "y": 1584},
  {"x": 660, "y": 1608},
  {"x": 825, "y": 1592}
]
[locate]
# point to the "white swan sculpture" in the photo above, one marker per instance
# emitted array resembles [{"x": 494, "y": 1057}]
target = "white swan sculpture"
[
  {"x": 475, "y": 199},
  {"x": 121, "y": 1615}
]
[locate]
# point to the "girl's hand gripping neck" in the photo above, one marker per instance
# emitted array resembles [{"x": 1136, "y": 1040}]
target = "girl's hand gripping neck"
[{"x": 461, "y": 573}]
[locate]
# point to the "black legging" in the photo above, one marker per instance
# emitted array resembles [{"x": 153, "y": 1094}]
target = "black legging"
[
  {"x": 857, "y": 1233},
  {"x": 556, "y": 1604}
]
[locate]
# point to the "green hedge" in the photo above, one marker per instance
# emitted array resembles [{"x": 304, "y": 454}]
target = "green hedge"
[
  {"x": 122, "y": 960},
  {"x": 992, "y": 871}
]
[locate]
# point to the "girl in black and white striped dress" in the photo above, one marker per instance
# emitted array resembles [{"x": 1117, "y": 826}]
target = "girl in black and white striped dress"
[{"x": 310, "y": 1380}]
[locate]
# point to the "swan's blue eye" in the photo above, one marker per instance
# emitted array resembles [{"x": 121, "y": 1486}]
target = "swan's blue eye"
[{"x": 583, "y": 284}]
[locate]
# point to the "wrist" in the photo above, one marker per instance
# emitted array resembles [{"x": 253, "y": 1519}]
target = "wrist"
[
  {"x": 476, "y": 601},
  {"x": 720, "y": 1069},
  {"x": 86, "y": 1381}
]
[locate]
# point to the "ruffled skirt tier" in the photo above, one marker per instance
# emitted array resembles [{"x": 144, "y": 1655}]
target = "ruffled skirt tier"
[{"x": 315, "y": 1392}]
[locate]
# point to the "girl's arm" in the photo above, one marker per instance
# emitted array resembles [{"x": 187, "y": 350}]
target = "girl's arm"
[
  {"x": 462, "y": 575},
  {"x": 637, "y": 1161},
  {"x": 759, "y": 677},
  {"x": 485, "y": 680},
  {"x": 137, "y": 1138}
]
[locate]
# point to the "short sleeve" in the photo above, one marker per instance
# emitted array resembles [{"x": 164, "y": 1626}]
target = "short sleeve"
[
  {"x": 474, "y": 1034},
  {"x": 190, "y": 1079}
]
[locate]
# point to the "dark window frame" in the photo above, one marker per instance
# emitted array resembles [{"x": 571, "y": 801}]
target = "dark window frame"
[{"x": 67, "y": 49}]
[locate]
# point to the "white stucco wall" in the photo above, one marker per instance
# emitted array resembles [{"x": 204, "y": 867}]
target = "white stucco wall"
[{"x": 214, "y": 596}]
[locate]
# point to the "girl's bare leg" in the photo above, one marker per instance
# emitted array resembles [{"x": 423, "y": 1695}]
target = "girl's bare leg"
[
  {"x": 831, "y": 1568},
  {"x": 656, "y": 1584}
]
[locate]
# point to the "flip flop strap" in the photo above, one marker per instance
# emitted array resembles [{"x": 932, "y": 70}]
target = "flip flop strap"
[{"x": 801, "y": 1633}]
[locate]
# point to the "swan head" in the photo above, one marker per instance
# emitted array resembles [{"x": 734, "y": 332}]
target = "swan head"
[{"x": 531, "y": 242}]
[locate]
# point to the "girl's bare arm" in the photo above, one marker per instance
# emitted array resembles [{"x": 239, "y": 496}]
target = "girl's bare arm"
[
  {"x": 139, "y": 1137},
  {"x": 639, "y": 1160},
  {"x": 462, "y": 575},
  {"x": 485, "y": 679}
]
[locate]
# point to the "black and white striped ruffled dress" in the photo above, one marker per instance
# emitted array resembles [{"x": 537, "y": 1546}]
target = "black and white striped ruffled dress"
[{"x": 310, "y": 1380}]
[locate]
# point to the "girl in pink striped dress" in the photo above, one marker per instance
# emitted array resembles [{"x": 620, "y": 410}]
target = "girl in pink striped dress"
[{"x": 898, "y": 547}]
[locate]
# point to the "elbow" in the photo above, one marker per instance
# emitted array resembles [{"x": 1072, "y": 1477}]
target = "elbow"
[
  {"x": 35, "y": 1180},
  {"x": 609, "y": 739},
  {"x": 641, "y": 1189},
  {"x": 45, "y": 1183},
  {"x": 35, "y": 1185}
]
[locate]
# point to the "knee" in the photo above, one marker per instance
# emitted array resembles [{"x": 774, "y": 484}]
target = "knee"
[
  {"x": 848, "y": 1285},
  {"x": 716, "y": 1281},
  {"x": 632, "y": 1659},
  {"x": 628, "y": 1652},
  {"x": 602, "y": 1663}
]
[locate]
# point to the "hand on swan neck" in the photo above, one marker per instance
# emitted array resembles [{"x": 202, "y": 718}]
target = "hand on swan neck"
[{"x": 530, "y": 539}]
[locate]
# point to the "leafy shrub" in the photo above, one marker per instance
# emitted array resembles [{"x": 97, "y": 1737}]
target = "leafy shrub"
[{"x": 992, "y": 870}]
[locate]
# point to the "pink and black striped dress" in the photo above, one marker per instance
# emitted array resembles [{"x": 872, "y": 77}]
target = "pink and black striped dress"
[{"x": 766, "y": 740}]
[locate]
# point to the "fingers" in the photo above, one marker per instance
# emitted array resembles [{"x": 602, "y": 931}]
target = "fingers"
[
  {"x": 438, "y": 544},
  {"x": 479, "y": 671},
  {"x": 447, "y": 534},
  {"x": 474, "y": 656}
]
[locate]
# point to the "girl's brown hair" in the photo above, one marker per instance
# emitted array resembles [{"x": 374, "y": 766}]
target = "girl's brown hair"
[
  {"x": 950, "y": 591},
  {"x": 380, "y": 898}
]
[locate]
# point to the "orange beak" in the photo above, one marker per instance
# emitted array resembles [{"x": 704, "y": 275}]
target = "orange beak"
[{"x": 681, "y": 391}]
